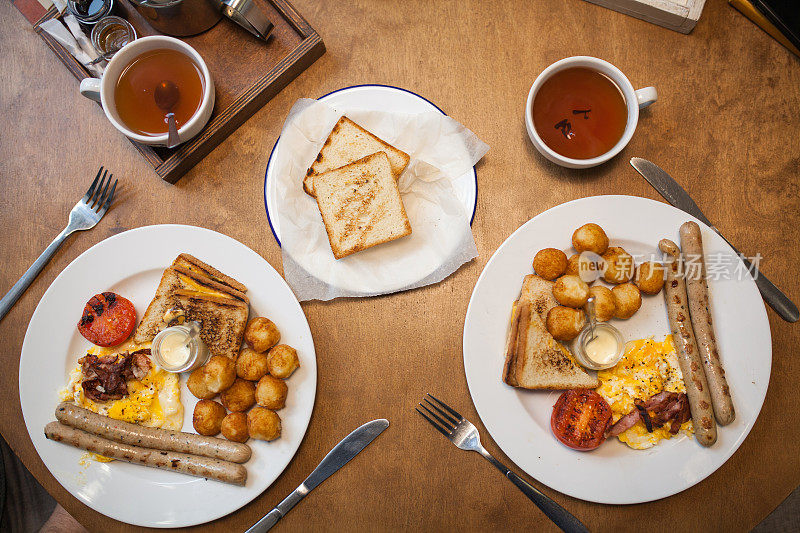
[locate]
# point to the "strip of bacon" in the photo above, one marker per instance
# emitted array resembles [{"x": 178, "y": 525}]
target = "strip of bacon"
[
  {"x": 105, "y": 378},
  {"x": 666, "y": 407}
]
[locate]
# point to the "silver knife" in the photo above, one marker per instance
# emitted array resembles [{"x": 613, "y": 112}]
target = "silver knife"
[
  {"x": 340, "y": 455},
  {"x": 677, "y": 196}
]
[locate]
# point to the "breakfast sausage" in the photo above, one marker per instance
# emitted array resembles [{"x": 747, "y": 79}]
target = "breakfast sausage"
[
  {"x": 705, "y": 429},
  {"x": 193, "y": 465},
  {"x": 159, "y": 439},
  {"x": 697, "y": 290}
]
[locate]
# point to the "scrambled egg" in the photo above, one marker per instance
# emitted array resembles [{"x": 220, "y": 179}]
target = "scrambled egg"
[
  {"x": 647, "y": 368},
  {"x": 153, "y": 401}
]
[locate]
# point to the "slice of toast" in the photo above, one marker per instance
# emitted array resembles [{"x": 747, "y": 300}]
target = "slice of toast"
[
  {"x": 222, "y": 320},
  {"x": 534, "y": 359},
  {"x": 194, "y": 265},
  {"x": 361, "y": 206},
  {"x": 349, "y": 142}
]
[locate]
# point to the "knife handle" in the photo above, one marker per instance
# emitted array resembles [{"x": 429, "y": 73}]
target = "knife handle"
[
  {"x": 776, "y": 299},
  {"x": 279, "y": 511}
]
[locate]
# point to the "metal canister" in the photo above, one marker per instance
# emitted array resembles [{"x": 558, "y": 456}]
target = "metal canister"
[{"x": 180, "y": 18}]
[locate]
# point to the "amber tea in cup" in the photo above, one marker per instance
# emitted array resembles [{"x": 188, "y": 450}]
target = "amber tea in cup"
[
  {"x": 134, "y": 92},
  {"x": 580, "y": 113}
]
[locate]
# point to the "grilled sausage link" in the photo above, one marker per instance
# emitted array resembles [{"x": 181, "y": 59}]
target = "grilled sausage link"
[
  {"x": 697, "y": 290},
  {"x": 159, "y": 439},
  {"x": 193, "y": 465},
  {"x": 705, "y": 429}
]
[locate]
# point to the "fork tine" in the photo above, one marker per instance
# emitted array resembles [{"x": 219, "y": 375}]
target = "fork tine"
[
  {"x": 447, "y": 407},
  {"x": 434, "y": 424},
  {"x": 447, "y": 425},
  {"x": 108, "y": 200},
  {"x": 90, "y": 192},
  {"x": 102, "y": 198},
  {"x": 452, "y": 420},
  {"x": 98, "y": 190}
]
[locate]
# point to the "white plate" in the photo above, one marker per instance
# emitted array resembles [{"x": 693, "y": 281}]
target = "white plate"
[
  {"x": 385, "y": 98},
  {"x": 131, "y": 264},
  {"x": 519, "y": 420}
]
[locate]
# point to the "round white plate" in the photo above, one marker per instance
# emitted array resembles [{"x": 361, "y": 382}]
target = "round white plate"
[
  {"x": 131, "y": 264},
  {"x": 385, "y": 98},
  {"x": 519, "y": 420}
]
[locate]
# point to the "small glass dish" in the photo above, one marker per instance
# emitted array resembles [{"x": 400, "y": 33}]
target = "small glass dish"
[
  {"x": 111, "y": 33},
  {"x": 601, "y": 329},
  {"x": 174, "y": 341}
]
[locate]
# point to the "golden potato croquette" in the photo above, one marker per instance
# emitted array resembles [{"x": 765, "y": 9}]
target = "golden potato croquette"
[
  {"x": 261, "y": 334},
  {"x": 571, "y": 291},
  {"x": 240, "y": 396},
  {"x": 604, "y": 305},
  {"x": 263, "y": 424},
  {"x": 590, "y": 237},
  {"x": 234, "y": 427},
  {"x": 550, "y": 263},
  {"x": 650, "y": 277},
  {"x": 207, "y": 417},
  {"x": 219, "y": 373},
  {"x": 627, "y": 300},
  {"x": 564, "y": 323},
  {"x": 271, "y": 392},
  {"x": 197, "y": 385},
  {"x": 618, "y": 265},
  {"x": 572, "y": 265},
  {"x": 251, "y": 365},
  {"x": 282, "y": 361}
]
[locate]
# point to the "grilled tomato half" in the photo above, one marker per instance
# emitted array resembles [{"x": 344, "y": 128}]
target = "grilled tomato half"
[
  {"x": 108, "y": 319},
  {"x": 580, "y": 419}
]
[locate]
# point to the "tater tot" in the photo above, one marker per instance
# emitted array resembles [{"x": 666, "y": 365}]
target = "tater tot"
[
  {"x": 261, "y": 334},
  {"x": 271, "y": 392},
  {"x": 618, "y": 265},
  {"x": 234, "y": 427},
  {"x": 251, "y": 365},
  {"x": 604, "y": 305},
  {"x": 627, "y": 300},
  {"x": 263, "y": 424},
  {"x": 282, "y": 361},
  {"x": 590, "y": 237},
  {"x": 240, "y": 396},
  {"x": 564, "y": 323},
  {"x": 219, "y": 373},
  {"x": 207, "y": 417},
  {"x": 571, "y": 291},
  {"x": 550, "y": 263},
  {"x": 650, "y": 277},
  {"x": 197, "y": 385}
]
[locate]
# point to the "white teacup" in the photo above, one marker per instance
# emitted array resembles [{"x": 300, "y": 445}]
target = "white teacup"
[
  {"x": 102, "y": 90},
  {"x": 634, "y": 100}
]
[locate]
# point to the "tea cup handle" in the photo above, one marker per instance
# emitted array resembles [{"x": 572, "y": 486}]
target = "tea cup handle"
[
  {"x": 90, "y": 88},
  {"x": 645, "y": 97}
]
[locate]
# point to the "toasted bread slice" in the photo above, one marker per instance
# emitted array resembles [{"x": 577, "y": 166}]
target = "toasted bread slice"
[
  {"x": 222, "y": 320},
  {"x": 361, "y": 206},
  {"x": 173, "y": 280},
  {"x": 349, "y": 142},
  {"x": 193, "y": 264},
  {"x": 534, "y": 359}
]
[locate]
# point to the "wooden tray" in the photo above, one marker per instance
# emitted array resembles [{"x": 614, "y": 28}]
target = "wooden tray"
[{"x": 247, "y": 73}]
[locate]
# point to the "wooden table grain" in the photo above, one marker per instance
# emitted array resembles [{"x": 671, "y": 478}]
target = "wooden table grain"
[{"x": 726, "y": 126}]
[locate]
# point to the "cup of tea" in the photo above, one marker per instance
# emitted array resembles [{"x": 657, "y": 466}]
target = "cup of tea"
[
  {"x": 127, "y": 90},
  {"x": 582, "y": 111}
]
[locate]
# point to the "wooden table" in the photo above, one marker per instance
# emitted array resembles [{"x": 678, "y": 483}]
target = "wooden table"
[{"x": 725, "y": 125}]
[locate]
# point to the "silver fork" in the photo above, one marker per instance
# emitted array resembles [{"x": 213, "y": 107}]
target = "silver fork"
[
  {"x": 86, "y": 213},
  {"x": 464, "y": 434}
]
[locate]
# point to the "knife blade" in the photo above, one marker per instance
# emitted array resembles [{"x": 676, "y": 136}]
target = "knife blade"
[
  {"x": 678, "y": 197},
  {"x": 340, "y": 455}
]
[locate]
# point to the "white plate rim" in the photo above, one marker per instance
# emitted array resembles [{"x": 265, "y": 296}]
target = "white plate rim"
[
  {"x": 488, "y": 413},
  {"x": 201, "y": 515}
]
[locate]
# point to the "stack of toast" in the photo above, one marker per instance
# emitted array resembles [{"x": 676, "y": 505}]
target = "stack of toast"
[
  {"x": 534, "y": 359},
  {"x": 191, "y": 290},
  {"x": 354, "y": 180}
]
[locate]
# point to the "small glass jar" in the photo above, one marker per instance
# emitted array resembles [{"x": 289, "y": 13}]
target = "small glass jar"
[
  {"x": 179, "y": 349},
  {"x": 112, "y": 33},
  {"x": 88, "y": 12},
  {"x": 606, "y": 350}
]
